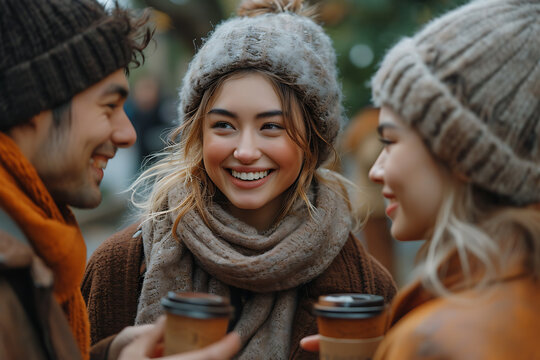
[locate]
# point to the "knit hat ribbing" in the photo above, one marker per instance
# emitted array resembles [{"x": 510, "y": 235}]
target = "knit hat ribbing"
[
  {"x": 284, "y": 43},
  {"x": 469, "y": 83},
  {"x": 51, "y": 50}
]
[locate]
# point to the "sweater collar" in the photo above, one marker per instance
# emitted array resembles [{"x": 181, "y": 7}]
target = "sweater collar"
[{"x": 416, "y": 294}]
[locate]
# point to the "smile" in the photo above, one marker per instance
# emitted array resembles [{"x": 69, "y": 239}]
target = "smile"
[
  {"x": 250, "y": 176},
  {"x": 99, "y": 162}
]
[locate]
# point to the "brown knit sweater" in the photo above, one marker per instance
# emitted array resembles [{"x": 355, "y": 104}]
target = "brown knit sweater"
[{"x": 113, "y": 279}]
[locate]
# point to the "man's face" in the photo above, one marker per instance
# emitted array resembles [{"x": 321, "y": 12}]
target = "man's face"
[{"x": 73, "y": 156}]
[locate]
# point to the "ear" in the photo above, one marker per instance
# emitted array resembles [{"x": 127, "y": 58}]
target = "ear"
[{"x": 29, "y": 135}]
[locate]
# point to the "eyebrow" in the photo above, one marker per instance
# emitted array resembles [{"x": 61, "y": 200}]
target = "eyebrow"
[
  {"x": 265, "y": 114},
  {"x": 116, "y": 90},
  {"x": 382, "y": 127}
]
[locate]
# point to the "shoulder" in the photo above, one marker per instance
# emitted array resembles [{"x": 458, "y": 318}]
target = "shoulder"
[
  {"x": 492, "y": 323},
  {"x": 13, "y": 253},
  {"x": 121, "y": 241},
  {"x": 121, "y": 246},
  {"x": 118, "y": 256},
  {"x": 16, "y": 255},
  {"x": 355, "y": 270},
  {"x": 112, "y": 280}
]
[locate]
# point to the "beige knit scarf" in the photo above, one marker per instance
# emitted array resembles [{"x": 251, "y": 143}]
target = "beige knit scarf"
[{"x": 227, "y": 253}]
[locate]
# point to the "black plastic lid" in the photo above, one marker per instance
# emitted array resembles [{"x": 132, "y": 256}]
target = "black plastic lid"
[
  {"x": 197, "y": 305},
  {"x": 349, "y": 306}
]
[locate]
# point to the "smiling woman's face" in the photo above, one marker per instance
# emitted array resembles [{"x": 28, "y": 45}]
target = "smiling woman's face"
[
  {"x": 413, "y": 182},
  {"x": 247, "y": 151}
]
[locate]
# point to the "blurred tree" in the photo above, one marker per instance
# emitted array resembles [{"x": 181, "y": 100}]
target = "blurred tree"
[
  {"x": 189, "y": 19},
  {"x": 365, "y": 29},
  {"x": 362, "y": 30}
]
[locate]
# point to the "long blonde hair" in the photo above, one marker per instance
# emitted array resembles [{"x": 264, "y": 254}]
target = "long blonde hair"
[
  {"x": 488, "y": 235},
  {"x": 181, "y": 162}
]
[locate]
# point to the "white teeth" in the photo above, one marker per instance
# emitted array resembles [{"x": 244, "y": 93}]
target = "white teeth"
[
  {"x": 98, "y": 163},
  {"x": 250, "y": 175}
]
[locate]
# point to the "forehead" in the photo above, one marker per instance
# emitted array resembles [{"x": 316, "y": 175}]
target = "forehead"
[
  {"x": 115, "y": 84},
  {"x": 390, "y": 117},
  {"x": 247, "y": 88}
]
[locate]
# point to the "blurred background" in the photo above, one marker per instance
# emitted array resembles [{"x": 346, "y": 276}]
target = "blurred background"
[{"x": 361, "y": 30}]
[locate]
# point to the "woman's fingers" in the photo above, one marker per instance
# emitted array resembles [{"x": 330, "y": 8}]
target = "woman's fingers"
[
  {"x": 145, "y": 344},
  {"x": 310, "y": 343},
  {"x": 224, "y": 349}
]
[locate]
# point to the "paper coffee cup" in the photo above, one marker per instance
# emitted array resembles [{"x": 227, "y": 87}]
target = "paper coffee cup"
[
  {"x": 194, "y": 320},
  {"x": 351, "y": 326}
]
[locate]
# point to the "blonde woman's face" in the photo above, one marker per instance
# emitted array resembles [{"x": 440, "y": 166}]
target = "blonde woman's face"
[
  {"x": 247, "y": 152},
  {"x": 413, "y": 182}
]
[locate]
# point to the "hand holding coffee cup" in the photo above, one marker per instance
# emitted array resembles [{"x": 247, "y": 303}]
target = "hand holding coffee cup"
[
  {"x": 194, "y": 320},
  {"x": 351, "y": 326}
]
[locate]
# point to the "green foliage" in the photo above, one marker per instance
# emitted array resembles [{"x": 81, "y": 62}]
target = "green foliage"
[{"x": 376, "y": 24}]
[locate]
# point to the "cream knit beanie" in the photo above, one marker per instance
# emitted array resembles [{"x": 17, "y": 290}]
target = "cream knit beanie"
[
  {"x": 469, "y": 83},
  {"x": 283, "y": 42}
]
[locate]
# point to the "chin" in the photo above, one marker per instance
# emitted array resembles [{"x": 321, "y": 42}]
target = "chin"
[
  {"x": 247, "y": 206},
  {"x": 404, "y": 236},
  {"x": 88, "y": 202}
]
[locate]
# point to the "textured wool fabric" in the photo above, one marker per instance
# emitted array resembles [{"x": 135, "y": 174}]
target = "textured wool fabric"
[
  {"x": 51, "y": 50},
  {"x": 52, "y": 232},
  {"x": 289, "y": 45},
  {"x": 113, "y": 272},
  {"x": 231, "y": 253},
  {"x": 469, "y": 83},
  {"x": 474, "y": 327}
]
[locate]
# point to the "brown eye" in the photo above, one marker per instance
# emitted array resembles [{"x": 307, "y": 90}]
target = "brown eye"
[{"x": 272, "y": 126}]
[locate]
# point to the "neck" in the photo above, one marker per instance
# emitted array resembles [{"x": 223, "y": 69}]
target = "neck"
[{"x": 262, "y": 218}]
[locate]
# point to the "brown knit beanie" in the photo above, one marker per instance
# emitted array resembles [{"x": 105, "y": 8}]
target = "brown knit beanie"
[
  {"x": 469, "y": 83},
  {"x": 51, "y": 50},
  {"x": 282, "y": 42}
]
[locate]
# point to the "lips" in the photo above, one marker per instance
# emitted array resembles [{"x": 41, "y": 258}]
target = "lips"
[
  {"x": 391, "y": 208},
  {"x": 99, "y": 161},
  {"x": 392, "y": 203}
]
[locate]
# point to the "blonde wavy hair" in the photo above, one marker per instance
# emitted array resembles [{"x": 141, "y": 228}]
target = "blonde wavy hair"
[
  {"x": 488, "y": 234},
  {"x": 181, "y": 162}
]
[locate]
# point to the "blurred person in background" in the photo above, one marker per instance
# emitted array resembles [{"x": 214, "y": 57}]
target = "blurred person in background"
[
  {"x": 239, "y": 205},
  {"x": 144, "y": 109},
  {"x": 460, "y": 125}
]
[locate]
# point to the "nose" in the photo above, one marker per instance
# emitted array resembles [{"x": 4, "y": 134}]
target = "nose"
[
  {"x": 247, "y": 151},
  {"x": 124, "y": 134},
  {"x": 376, "y": 172}
]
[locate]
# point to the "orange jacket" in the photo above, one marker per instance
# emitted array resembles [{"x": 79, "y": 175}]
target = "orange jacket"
[{"x": 501, "y": 321}]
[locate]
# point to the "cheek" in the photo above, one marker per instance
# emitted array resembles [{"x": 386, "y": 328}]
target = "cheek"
[
  {"x": 420, "y": 193},
  {"x": 289, "y": 156},
  {"x": 214, "y": 150}
]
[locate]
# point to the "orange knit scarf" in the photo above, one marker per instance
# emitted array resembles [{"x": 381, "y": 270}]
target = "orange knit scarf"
[{"x": 52, "y": 231}]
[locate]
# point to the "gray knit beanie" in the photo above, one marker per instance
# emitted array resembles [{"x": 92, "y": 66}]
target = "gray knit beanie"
[
  {"x": 50, "y": 50},
  {"x": 469, "y": 83},
  {"x": 287, "y": 44}
]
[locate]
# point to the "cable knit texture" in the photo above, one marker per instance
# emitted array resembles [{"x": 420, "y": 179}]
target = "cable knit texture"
[
  {"x": 229, "y": 252},
  {"x": 456, "y": 92},
  {"x": 52, "y": 231}
]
